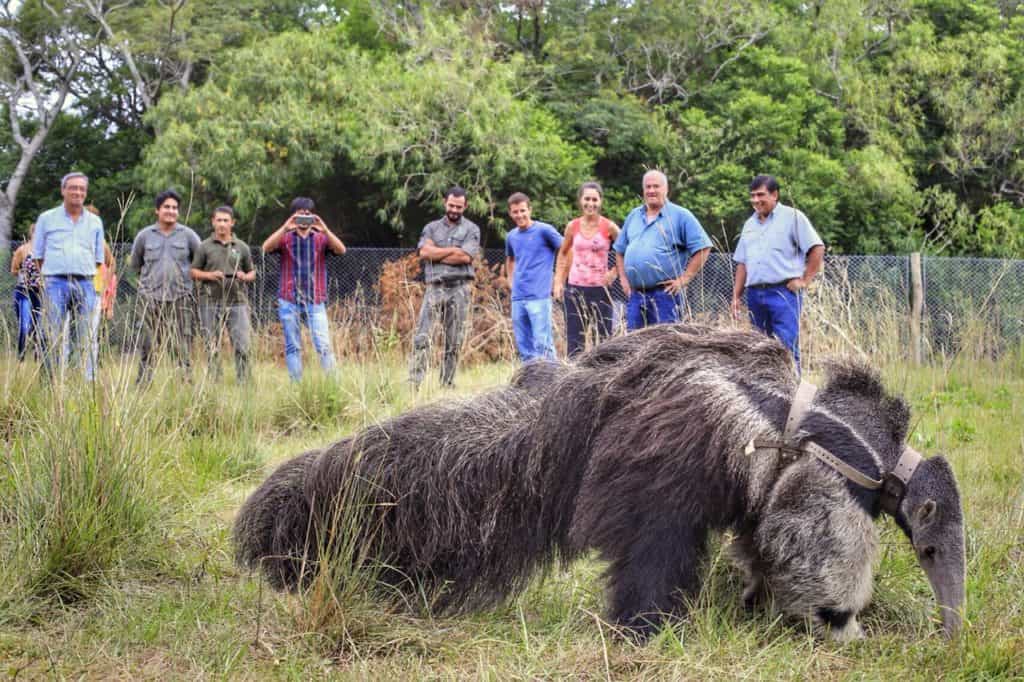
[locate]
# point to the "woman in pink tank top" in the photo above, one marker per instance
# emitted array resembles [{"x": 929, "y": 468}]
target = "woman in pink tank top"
[{"x": 583, "y": 261}]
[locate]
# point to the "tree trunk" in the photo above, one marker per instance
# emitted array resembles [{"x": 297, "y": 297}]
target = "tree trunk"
[
  {"x": 6, "y": 222},
  {"x": 9, "y": 198}
]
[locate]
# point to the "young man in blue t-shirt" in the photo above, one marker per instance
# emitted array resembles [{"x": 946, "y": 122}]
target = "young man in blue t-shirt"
[{"x": 530, "y": 252}]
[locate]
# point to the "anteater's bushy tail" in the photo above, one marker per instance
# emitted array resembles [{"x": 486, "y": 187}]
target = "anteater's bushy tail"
[
  {"x": 272, "y": 529},
  {"x": 457, "y": 500}
]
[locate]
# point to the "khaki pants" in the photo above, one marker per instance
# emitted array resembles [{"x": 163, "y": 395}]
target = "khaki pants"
[
  {"x": 449, "y": 305},
  {"x": 215, "y": 319}
]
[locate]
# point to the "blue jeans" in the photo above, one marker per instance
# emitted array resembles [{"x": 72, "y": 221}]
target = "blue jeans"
[
  {"x": 531, "y": 324},
  {"x": 29, "y": 309},
  {"x": 74, "y": 296},
  {"x": 776, "y": 311},
  {"x": 653, "y": 306},
  {"x": 314, "y": 316}
]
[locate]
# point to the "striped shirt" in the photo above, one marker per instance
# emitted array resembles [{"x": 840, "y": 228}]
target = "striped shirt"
[{"x": 303, "y": 268}]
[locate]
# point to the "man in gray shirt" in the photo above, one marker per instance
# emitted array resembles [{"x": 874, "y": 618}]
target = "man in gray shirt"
[
  {"x": 447, "y": 248},
  {"x": 162, "y": 253}
]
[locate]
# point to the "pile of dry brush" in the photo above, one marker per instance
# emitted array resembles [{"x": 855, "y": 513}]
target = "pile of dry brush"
[
  {"x": 400, "y": 293},
  {"x": 367, "y": 324}
]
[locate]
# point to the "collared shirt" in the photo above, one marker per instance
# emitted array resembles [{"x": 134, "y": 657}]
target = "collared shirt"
[
  {"x": 534, "y": 250},
  {"x": 776, "y": 250},
  {"x": 66, "y": 246},
  {"x": 164, "y": 261},
  {"x": 229, "y": 257},
  {"x": 659, "y": 249},
  {"x": 303, "y": 267},
  {"x": 463, "y": 234}
]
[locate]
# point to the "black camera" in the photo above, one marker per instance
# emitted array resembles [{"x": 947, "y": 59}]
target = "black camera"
[{"x": 305, "y": 219}]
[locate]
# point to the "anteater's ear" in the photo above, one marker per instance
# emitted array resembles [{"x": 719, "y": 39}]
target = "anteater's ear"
[
  {"x": 855, "y": 377},
  {"x": 897, "y": 417}
]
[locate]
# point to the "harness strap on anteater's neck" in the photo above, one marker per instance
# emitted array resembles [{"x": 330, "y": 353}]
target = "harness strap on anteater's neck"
[
  {"x": 893, "y": 484},
  {"x": 805, "y": 393}
]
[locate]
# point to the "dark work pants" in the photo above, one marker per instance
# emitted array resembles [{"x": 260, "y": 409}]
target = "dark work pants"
[
  {"x": 166, "y": 325},
  {"x": 588, "y": 315}
]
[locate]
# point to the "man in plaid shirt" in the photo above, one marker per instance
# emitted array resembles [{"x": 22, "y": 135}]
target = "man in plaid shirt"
[{"x": 303, "y": 241}]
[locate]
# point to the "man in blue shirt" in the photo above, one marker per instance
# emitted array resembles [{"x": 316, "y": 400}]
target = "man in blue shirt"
[
  {"x": 660, "y": 249},
  {"x": 778, "y": 254},
  {"x": 530, "y": 252},
  {"x": 68, "y": 246}
]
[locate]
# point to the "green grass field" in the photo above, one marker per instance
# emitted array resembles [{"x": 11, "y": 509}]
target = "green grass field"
[{"x": 115, "y": 553}]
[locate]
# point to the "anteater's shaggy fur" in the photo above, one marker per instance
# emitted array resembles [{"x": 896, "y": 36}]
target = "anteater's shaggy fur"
[{"x": 637, "y": 450}]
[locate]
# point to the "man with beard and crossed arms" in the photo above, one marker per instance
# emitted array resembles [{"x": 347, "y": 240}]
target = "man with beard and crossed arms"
[{"x": 447, "y": 248}]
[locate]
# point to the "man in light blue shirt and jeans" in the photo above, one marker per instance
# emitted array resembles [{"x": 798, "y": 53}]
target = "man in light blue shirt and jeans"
[
  {"x": 660, "y": 249},
  {"x": 530, "y": 252},
  {"x": 777, "y": 256},
  {"x": 68, "y": 247}
]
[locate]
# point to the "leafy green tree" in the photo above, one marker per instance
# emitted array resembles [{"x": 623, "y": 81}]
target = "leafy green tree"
[
  {"x": 151, "y": 46},
  {"x": 107, "y": 158},
  {"x": 42, "y": 46},
  {"x": 276, "y": 120}
]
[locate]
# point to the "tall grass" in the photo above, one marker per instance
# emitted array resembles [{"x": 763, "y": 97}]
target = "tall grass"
[
  {"x": 76, "y": 490},
  {"x": 119, "y": 501},
  {"x": 96, "y": 472}
]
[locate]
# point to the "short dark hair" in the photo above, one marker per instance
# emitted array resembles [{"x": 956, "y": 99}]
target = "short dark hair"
[
  {"x": 454, "y": 191},
  {"x": 767, "y": 181},
  {"x": 224, "y": 209},
  {"x": 165, "y": 195},
  {"x": 518, "y": 198},
  {"x": 302, "y": 204}
]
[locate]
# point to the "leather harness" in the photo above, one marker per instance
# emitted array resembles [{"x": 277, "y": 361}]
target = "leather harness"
[{"x": 893, "y": 485}]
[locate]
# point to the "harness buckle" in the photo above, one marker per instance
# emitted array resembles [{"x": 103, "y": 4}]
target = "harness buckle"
[{"x": 892, "y": 492}]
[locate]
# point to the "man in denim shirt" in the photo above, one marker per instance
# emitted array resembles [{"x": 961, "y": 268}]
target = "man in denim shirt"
[
  {"x": 777, "y": 256},
  {"x": 447, "y": 248},
  {"x": 660, "y": 249},
  {"x": 303, "y": 241},
  {"x": 68, "y": 246}
]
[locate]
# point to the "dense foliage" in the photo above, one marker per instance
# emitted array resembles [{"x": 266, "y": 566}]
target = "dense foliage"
[{"x": 895, "y": 125}]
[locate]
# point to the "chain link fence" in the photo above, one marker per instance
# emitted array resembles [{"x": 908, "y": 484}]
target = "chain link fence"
[{"x": 860, "y": 302}]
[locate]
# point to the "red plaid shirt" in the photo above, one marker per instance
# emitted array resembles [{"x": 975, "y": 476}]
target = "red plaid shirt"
[{"x": 303, "y": 268}]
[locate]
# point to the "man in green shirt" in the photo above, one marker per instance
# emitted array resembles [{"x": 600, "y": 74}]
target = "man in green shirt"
[{"x": 223, "y": 266}]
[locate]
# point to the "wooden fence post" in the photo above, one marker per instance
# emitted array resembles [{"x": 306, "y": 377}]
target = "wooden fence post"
[{"x": 916, "y": 306}]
